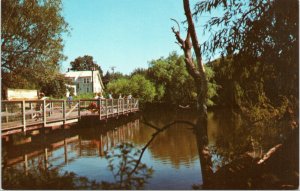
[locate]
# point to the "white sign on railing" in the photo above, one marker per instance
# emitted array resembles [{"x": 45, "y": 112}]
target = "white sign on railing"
[{"x": 21, "y": 94}]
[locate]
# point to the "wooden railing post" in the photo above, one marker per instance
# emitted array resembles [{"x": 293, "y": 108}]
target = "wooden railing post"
[
  {"x": 100, "y": 105},
  {"x": 112, "y": 106},
  {"x": 30, "y": 108},
  {"x": 51, "y": 108},
  {"x": 24, "y": 116},
  {"x": 79, "y": 115},
  {"x": 123, "y": 106},
  {"x": 6, "y": 113},
  {"x": 64, "y": 112},
  {"x": 44, "y": 113},
  {"x": 106, "y": 108},
  {"x": 118, "y": 106},
  {"x": 133, "y": 104},
  {"x": 130, "y": 102}
]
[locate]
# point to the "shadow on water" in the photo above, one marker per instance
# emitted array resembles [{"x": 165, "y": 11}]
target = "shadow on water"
[
  {"x": 159, "y": 149},
  {"x": 249, "y": 156},
  {"x": 121, "y": 163},
  {"x": 33, "y": 163}
]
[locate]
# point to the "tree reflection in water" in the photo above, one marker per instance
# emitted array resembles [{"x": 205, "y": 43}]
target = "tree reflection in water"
[
  {"x": 238, "y": 148},
  {"x": 236, "y": 137},
  {"x": 234, "y": 144},
  {"x": 124, "y": 163},
  {"x": 128, "y": 171},
  {"x": 251, "y": 155},
  {"x": 41, "y": 178}
]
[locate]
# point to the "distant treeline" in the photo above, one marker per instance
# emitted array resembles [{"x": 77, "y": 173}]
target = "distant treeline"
[{"x": 165, "y": 81}]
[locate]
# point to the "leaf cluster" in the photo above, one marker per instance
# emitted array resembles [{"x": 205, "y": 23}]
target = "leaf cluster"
[
  {"x": 258, "y": 40},
  {"x": 84, "y": 63},
  {"x": 137, "y": 85},
  {"x": 31, "y": 41}
]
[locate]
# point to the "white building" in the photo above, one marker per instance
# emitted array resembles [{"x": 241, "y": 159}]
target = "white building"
[{"x": 85, "y": 81}]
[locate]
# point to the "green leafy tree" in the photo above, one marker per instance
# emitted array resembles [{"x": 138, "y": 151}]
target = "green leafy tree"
[
  {"x": 171, "y": 74},
  {"x": 31, "y": 41},
  {"x": 259, "y": 40},
  {"x": 108, "y": 77},
  {"x": 56, "y": 86},
  {"x": 137, "y": 85},
  {"x": 141, "y": 71},
  {"x": 85, "y": 63},
  {"x": 173, "y": 82},
  {"x": 143, "y": 88},
  {"x": 119, "y": 86}
]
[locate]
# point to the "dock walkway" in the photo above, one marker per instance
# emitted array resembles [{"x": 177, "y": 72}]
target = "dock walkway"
[{"x": 21, "y": 116}]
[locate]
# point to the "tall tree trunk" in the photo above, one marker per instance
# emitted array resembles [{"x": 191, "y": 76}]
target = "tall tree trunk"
[
  {"x": 204, "y": 154},
  {"x": 197, "y": 71}
]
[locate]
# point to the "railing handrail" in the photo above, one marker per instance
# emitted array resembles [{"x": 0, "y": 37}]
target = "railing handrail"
[
  {"x": 106, "y": 99},
  {"x": 56, "y": 100},
  {"x": 42, "y": 110}
]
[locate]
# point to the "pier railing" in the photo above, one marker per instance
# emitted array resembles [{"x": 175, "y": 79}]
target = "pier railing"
[{"x": 25, "y": 113}]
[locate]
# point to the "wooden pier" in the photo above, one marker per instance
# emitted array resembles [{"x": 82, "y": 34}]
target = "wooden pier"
[{"x": 22, "y": 116}]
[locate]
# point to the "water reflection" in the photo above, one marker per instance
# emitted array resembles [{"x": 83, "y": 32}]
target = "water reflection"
[
  {"x": 131, "y": 154},
  {"x": 81, "y": 142},
  {"x": 86, "y": 152},
  {"x": 182, "y": 147},
  {"x": 126, "y": 167},
  {"x": 41, "y": 178},
  {"x": 229, "y": 137}
]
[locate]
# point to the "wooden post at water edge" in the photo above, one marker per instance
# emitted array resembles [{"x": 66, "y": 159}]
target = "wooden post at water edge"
[{"x": 24, "y": 115}]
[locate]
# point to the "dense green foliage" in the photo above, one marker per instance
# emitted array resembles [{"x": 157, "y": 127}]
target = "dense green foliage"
[
  {"x": 172, "y": 80},
  {"x": 85, "y": 63},
  {"x": 259, "y": 41},
  {"x": 108, "y": 77},
  {"x": 166, "y": 80},
  {"x": 55, "y": 86},
  {"x": 137, "y": 85},
  {"x": 84, "y": 96},
  {"x": 174, "y": 84},
  {"x": 31, "y": 42}
]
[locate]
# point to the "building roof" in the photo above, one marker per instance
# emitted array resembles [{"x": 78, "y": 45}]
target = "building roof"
[
  {"x": 81, "y": 74},
  {"x": 76, "y": 74}
]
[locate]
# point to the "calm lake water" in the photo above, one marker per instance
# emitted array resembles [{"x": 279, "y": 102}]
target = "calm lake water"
[{"x": 105, "y": 152}]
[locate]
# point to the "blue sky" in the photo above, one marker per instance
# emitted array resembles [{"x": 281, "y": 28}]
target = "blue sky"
[{"x": 126, "y": 34}]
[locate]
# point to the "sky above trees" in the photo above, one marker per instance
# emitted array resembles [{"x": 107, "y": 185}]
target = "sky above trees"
[{"x": 126, "y": 34}]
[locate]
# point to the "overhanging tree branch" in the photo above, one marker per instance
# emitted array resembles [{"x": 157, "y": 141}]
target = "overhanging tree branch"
[
  {"x": 158, "y": 130},
  {"x": 191, "y": 41}
]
